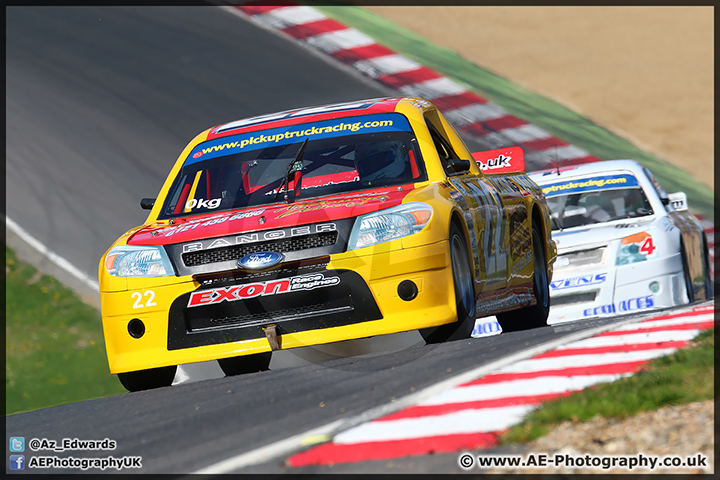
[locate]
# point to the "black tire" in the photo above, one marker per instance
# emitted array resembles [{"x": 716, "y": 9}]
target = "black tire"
[
  {"x": 686, "y": 275},
  {"x": 257, "y": 362},
  {"x": 148, "y": 379},
  {"x": 464, "y": 293},
  {"x": 707, "y": 272},
  {"x": 535, "y": 315}
]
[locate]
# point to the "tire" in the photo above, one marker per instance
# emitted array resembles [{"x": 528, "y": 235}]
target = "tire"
[
  {"x": 148, "y": 379},
  {"x": 707, "y": 271},
  {"x": 464, "y": 293},
  {"x": 535, "y": 315},
  {"x": 686, "y": 275},
  {"x": 257, "y": 362}
]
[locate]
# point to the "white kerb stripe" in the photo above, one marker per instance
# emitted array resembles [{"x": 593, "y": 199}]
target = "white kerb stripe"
[
  {"x": 518, "y": 388},
  {"x": 632, "y": 339},
  {"x": 525, "y": 133},
  {"x": 299, "y": 15},
  {"x": 566, "y": 152},
  {"x": 702, "y": 318},
  {"x": 387, "y": 65},
  {"x": 437, "y": 87},
  {"x": 476, "y": 112},
  {"x": 340, "y": 40},
  {"x": 465, "y": 421},
  {"x": 571, "y": 361}
]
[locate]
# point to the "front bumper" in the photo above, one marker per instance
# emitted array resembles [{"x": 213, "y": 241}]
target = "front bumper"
[
  {"x": 362, "y": 302},
  {"x": 609, "y": 290}
]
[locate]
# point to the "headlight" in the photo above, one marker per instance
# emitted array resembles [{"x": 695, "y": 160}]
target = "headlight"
[
  {"x": 389, "y": 224},
  {"x": 138, "y": 261},
  {"x": 635, "y": 248}
]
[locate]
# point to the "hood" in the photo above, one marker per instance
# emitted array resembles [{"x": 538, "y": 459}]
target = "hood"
[
  {"x": 269, "y": 217},
  {"x": 601, "y": 233}
]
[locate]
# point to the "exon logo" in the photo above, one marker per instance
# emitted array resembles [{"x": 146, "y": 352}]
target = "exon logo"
[
  {"x": 500, "y": 162},
  {"x": 261, "y": 289},
  {"x": 580, "y": 281},
  {"x": 260, "y": 260}
]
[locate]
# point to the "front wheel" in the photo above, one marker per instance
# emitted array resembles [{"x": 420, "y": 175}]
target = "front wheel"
[
  {"x": 534, "y": 315},
  {"x": 148, "y": 379},
  {"x": 464, "y": 294},
  {"x": 707, "y": 272},
  {"x": 256, "y": 362},
  {"x": 689, "y": 289}
]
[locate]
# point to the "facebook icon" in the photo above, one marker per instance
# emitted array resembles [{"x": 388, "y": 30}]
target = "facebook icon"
[{"x": 17, "y": 462}]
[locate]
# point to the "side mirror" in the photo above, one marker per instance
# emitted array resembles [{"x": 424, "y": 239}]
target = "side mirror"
[
  {"x": 147, "y": 203},
  {"x": 459, "y": 165},
  {"x": 678, "y": 201}
]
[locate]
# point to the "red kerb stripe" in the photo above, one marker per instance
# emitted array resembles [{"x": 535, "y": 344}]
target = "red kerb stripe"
[
  {"x": 609, "y": 369},
  {"x": 264, "y": 6},
  {"x": 544, "y": 144},
  {"x": 334, "y": 453},
  {"x": 451, "y": 102},
  {"x": 398, "y": 80},
  {"x": 431, "y": 410},
  {"x": 508, "y": 121},
  {"x": 688, "y": 326},
  {"x": 634, "y": 347},
  {"x": 311, "y": 29},
  {"x": 352, "y": 55}
]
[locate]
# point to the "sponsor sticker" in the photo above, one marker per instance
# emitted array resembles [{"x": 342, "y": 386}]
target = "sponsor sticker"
[
  {"x": 499, "y": 162},
  {"x": 202, "y": 203},
  {"x": 593, "y": 184},
  {"x": 580, "y": 281},
  {"x": 629, "y": 305},
  {"x": 635, "y": 248},
  {"x": 389, "y": 122},
  {"x": 261, "y": 289}
]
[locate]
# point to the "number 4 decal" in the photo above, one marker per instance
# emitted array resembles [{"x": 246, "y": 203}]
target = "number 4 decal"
[
  {"x": 648, "y": 247},
  {"x": 138, "y": 299}
]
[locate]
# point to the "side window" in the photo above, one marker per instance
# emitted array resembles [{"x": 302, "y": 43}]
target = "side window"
[{"x": 445, "y": 151}]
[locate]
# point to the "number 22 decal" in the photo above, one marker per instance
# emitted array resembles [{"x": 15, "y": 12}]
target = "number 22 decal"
[{"x": 138, "y": 299}]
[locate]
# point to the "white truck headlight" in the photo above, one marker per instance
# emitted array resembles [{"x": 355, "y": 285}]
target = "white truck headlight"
[
  {"x": 389, "y": 224},
  {"x": 138, "y": 261}
]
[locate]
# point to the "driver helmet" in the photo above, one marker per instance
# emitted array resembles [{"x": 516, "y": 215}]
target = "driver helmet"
[{"x": 380, "y": 160}]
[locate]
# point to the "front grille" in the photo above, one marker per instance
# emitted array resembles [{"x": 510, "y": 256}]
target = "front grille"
[
  {"x": 574, "y": 298},
  {"x": 229, "y": 278},
  {"x": 581, "y": 258},
  {"x": 235, "y": 252}
]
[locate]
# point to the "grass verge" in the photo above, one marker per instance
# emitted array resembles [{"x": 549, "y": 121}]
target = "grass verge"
[
  {"x": 54, "y": 348},
  {"x": 683, "y": 377}
]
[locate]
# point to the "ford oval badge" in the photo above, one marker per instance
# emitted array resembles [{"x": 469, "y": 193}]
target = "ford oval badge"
[{"x": 260, "y": 260}]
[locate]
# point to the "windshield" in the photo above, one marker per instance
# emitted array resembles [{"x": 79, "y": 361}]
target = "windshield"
[
  {"x": 595, "y": 200},
  {"x": 261, "y": 168}
]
